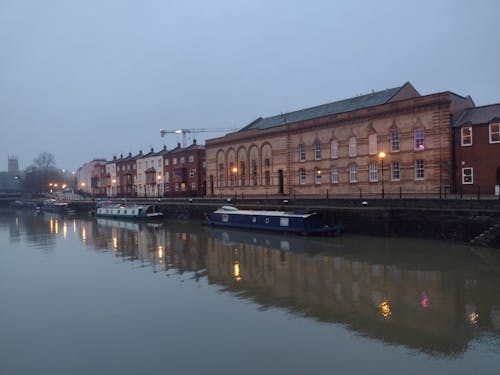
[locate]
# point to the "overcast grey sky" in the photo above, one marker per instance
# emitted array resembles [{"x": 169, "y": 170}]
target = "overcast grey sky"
[{"x": 96, "y": 78}]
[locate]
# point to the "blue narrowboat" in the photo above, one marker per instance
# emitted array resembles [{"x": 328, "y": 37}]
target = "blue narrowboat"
[{"x": 281, "y": 221}]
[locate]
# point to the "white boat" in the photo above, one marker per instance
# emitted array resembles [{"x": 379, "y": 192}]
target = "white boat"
[{"x": 124, "y": 211}]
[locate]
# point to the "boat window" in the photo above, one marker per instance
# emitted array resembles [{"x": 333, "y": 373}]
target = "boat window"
[
  {"x": 225, "y": 218},
  {"x": 134, "y": 212},
  {"x": 284, "y": 221},
  {"x": 125, "y": 212}
]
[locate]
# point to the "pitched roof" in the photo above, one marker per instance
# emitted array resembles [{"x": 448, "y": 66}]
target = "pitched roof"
[
  {"x": 346, "y": 105},
  {"x": 479, "y": 115}
]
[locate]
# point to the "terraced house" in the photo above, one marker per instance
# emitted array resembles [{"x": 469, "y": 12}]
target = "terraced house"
[{"x": 390, "y": 142}]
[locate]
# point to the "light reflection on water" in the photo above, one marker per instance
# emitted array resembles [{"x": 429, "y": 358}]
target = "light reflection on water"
[{"x": 437, "y": 301}]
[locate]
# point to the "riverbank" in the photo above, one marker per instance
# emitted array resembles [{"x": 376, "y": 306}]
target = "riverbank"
[{"x": 471, "y": 221}]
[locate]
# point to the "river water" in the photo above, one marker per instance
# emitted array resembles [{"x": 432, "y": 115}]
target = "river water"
[{"x": 87, "y": 296}]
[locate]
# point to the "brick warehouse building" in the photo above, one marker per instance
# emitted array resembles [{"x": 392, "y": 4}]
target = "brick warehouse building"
[
  {"x": 336, "y": 148},
  {"x": 477, "y": 150}
]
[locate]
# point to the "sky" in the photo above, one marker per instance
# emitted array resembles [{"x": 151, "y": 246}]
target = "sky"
[{"x": 97, "y": 78}]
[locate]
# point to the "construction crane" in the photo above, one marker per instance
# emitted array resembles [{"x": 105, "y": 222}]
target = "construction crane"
[{"x": 189, "y": 131}]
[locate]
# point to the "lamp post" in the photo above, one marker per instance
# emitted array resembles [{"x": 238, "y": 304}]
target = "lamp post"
[
  {"x": 381, "y": 155},
  {"x": 158, "y": 184},
  {"x": 234, "y": 171},
  {"x": 113, "y": 187}
]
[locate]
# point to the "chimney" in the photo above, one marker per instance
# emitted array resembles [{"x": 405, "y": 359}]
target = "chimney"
[
  {"x": 114, "y": 157},
  {"x": 129, "y": 154},
  {"x": 164, "y": 147},
  {"x": 178, "y": 144},
  {"x": 194, "y": 141},
  {"x": 140, "y": 152},
  {"x": 152, "y": 150}
]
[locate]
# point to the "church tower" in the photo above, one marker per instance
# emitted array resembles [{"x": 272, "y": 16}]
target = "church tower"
[{"x": 13, "y": 165}]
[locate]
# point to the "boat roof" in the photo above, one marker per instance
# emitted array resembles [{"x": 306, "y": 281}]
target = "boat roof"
[{"x": 235, "y": 211}]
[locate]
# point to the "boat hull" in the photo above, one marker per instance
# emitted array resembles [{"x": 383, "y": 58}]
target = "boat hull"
[
  {"x": 129, "y": 213},
  {"x": 273, "y": 221}
]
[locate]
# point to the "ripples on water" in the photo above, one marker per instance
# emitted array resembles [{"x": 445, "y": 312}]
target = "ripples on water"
[{"x": 437, "y": 301}]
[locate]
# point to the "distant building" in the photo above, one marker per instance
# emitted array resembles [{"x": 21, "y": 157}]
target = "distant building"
[
  {"x": 13, "y": 166},
  {"x": 90, "y": 177},
  {"x": 10, "y": 181},
  {"x": 477, "y": 150}
]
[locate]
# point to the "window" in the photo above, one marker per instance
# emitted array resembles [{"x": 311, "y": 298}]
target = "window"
[
  {"x": 373, "y": 172},
  {"x": 335, "y": 175},
  {"x": 267, "y": 162},
  {"x": 182, "y": 160},
  {"x": 317, "y": 176},
  {"x": 466, "y": 136},
  {"x": 193, "y": 185},
  {"x": 159, "y": 163},
  {"x": 372, "y": 144},
  {"x": 495, "y": 132},
  {"x": 317, "y": 151},
  {"x": 352, "y": 147},
  {"x": 221, "y": 175},
  {"x": 395, "y": 174},
  {"x": 302, "y": 176},
  {"x": 334, "y": 149},
  {"x": 302, "y": 152},
  {"x": 166, "y": 161},
  {"x": 419, "y": 169},
  {"x": 191, "y": 173},
  {"x": 267, "y": 178},
  {"x": 419, "y": 139},
  {"x": 191, "y": 158},
  {"x": 254, "y": 172},
  {"x": 394, "y": 141},
  {"x": 467, "y": 176},
  {"x": 353, "y": 173},
  {"x": 174, "y": 161},
  {"x": 284, "y": 221}
]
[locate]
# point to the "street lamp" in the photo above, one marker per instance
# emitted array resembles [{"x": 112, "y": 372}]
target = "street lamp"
[
  {"x": 158, "y": 185},
  {"x": 235, "y": 171},
  {"x": 113, "y": 187},
  {"x": 381, "y": 155}
]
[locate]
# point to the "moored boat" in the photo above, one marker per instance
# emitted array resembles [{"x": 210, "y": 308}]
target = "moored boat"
[
  {"x": 280, "y": 221},
  {"x": 124, "y": 211}
]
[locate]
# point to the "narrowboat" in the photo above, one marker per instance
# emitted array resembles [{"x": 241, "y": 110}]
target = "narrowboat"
[
  {"x": 302, "y": 222},
  {"x": 124, "y": 211}
]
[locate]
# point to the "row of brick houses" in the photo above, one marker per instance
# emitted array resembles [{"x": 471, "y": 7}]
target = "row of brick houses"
[
  {"x": 393, "y": 142},
  {"x": 165, "y": 173},
  {"x": 390, "y": 142}
]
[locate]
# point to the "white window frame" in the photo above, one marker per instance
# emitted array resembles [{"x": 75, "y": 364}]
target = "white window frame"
[
  {"x": 317, "y": 176},
  {"x": 464, "y": 137},
  {"x": 494, "y": 132},
  {"x": 395, "y": 171},
  {"x": 335, "y": 175},
  {"x": 353, "y": 173},
  {"x": 317, "y": 151},
  {"x": 465, "y": 179},
  {"x": 394, "y": 141},
  {"x": 372, "y": 144},
  {"x": 302, "y": 152},
  {"x": 419, "y": 170},
  {"x": 302, "y": 176},
  {"x": 419, "y": 139},
  {"x": 373, "y": 172},
  {"x": 334, "y": 145}
]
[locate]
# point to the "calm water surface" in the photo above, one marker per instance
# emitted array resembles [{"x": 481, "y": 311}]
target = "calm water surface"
[{"x": 86, "y": 296}]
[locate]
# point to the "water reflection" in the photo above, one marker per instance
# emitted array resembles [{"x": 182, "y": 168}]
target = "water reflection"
[{"x": 431, "y": 296}]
